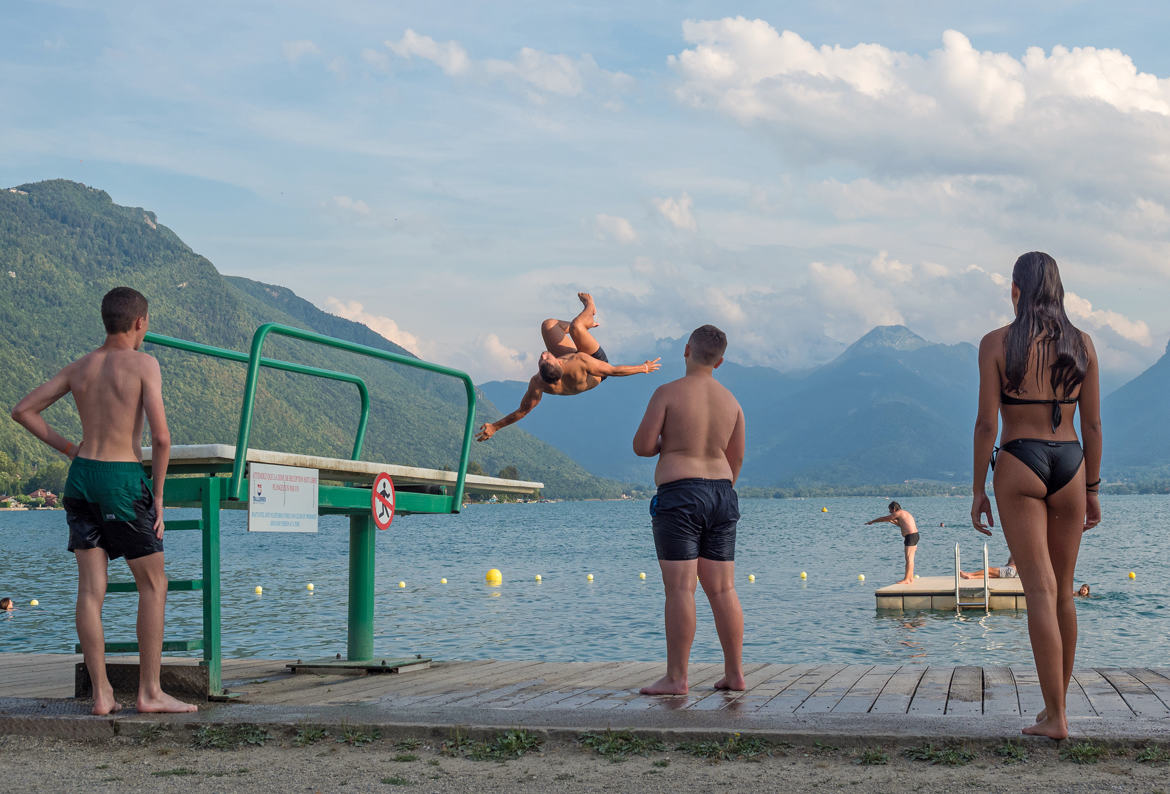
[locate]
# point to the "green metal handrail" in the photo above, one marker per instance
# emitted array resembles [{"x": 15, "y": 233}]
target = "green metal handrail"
[
  {"x": 272, "y": 363},
  {"x": 236, "y": 491}
]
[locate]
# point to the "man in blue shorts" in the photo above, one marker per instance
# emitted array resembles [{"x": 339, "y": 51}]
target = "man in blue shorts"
[
  {"x": 112, "y": 509},
  {"x": 696, "y": 428}
]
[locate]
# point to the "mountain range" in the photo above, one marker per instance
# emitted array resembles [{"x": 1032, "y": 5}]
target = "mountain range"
[{"x": 63, "y": 245}]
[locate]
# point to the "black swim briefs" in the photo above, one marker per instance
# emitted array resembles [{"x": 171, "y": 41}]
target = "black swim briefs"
[
  {"x": 910, "y": 540},
  {"x": 599, "y": 354},
  {"x": 695, "y": 518},
  {"x": 110, "y": 505}
]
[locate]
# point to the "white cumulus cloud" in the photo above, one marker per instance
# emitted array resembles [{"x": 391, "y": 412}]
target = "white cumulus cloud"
[
  {"x": 678, "y": 211},
  {"x": 614, "y": 227},
  {"x": 379, "y": 324},
  {"x": 295, "y": 50},
  {"x": 356, "y": 206}
]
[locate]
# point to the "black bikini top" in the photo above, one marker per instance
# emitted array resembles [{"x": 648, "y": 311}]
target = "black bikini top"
[{"x": 1057, "y": 414}]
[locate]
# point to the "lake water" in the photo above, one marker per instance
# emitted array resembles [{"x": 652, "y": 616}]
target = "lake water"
[{"x": 828, "y": 618}]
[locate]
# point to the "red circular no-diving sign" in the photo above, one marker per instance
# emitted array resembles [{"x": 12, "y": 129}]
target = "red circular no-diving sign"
[{"x": 382, "y": 501}]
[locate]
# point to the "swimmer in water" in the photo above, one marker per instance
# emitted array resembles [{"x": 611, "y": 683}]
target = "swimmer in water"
[
  {"x": 573, "y": 362},
  {"x": 6, "y": 605},
  {"x": 1084, "y": 591}
]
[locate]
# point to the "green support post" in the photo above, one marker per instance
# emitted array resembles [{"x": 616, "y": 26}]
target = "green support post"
[
  {"x": 212, "y": 642},
  {"x": 360, "y": 646}
]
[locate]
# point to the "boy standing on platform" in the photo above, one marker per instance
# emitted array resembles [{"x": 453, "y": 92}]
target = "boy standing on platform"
[
  {"x": 696, "y": 428},
  {"x": 904, "y": 522},
  {"x": 109, "y": 505}
]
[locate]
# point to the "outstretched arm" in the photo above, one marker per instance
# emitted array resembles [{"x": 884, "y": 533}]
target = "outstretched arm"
[
  {"x": 648, "y": 438},
  {"x": 527, "y": 403},
  {"x": 28, "y": 412},
  {"x": 596, "y": 367},
  {"x": 881, "y": 519}
]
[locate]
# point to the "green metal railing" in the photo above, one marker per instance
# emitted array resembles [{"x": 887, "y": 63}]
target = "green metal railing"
[
  {"x": 255, "y": 361},
  {"x": 300, "y": 369}
]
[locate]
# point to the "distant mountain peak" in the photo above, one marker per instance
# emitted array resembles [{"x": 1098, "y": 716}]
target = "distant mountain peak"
[{"x": 889, "y": 337}]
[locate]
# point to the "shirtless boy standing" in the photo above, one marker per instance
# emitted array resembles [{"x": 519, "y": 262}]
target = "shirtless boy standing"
[
  {"x": 109, "y": 505},
  {"x": 696, "y": 428},
  {"x": 905, "y": 522}
]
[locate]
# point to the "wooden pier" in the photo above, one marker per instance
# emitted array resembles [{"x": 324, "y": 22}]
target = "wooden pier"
[{"x": 898, "y": 698}]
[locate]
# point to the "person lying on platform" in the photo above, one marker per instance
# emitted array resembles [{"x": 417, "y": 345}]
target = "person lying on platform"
[
  {"x": 573, "y": 362},
  {"x": 6, "y": 605},
  {"x": 905, "y": 522},
  {"x": 1003, "y": 572},
  {"x": 110, "y": 506}
]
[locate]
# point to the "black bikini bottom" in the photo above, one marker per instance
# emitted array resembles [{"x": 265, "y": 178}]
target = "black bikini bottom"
[{"x": 1055, "y": 462}]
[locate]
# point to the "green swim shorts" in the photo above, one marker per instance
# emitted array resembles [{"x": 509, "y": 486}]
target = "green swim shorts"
[{"x": 110, "y": 505}]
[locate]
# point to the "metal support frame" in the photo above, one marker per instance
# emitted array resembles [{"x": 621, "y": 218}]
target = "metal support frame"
[{"x": 986, "y": 601}]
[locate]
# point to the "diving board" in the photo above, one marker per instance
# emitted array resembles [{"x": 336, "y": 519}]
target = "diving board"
[{"x": 220, "y": 457}]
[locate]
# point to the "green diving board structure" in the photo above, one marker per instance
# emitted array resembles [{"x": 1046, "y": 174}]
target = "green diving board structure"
[{"x": 215, "y": 477}]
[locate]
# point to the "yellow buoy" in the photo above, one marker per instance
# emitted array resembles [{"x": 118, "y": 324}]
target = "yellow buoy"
[
  {"x": 34, "y": 603},
  {"x": 803, "y": 575},
  {"x": 402, "y": 584},
  {"x": 259, "y": 590},
  {"x": 538, "y": 577},
  {"x": 493, "y": 576},
  {"x": 442, "y": 581},
  {"x": 1132, "y": 575},
  {"x": 824, "y": 509},
  {"x": 309, "y": 587},
  {"x": 861, "y": 577},
  {"x": 751, "y": 577},
  {"x": 642, "y": 575},
  {"x": 589, "y": 577}
]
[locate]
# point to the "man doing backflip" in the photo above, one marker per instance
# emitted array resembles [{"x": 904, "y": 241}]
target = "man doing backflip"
[
  {"x": 905, "y": 522},
  {"x": 109, "y": 504},
  {"x": 572, "y": 362},
  {"x": 696, "y": 428}
]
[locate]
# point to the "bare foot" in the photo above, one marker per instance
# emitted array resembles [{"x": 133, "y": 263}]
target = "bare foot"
[
  {"x": 104, "y": 703},
  {"x": 905, "y": 581},
  {"x": 587, "y": 302},
  {"x": 164, "y": 703},
  {"x": 968, "y": 575},
  {"x": 665, "y": 686},
  {"x": 1051, "y": 728},
  {"x": 735, "y": 683}
]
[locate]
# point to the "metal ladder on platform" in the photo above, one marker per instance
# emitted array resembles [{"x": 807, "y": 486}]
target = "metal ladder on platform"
[{"x": 968, "y": 597}]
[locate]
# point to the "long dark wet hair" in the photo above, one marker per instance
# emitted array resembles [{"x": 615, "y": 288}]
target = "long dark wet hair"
[{"x": 1040, "y": 316}]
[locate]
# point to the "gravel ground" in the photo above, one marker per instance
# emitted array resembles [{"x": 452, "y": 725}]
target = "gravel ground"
[{"x": 312, "y": 761}]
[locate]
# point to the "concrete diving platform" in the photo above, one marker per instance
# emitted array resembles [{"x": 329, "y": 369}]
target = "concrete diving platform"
[
  {"x": 218, "y": 458},
  {"x": 938, "y": 592}
]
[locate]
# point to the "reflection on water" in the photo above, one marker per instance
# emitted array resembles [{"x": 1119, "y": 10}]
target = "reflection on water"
[{"x": 829, "y": 617}]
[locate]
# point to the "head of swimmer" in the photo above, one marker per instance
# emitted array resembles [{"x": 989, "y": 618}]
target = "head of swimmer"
[
  {"x": 6, "y": 604},
  {"x": 894, "y": 507},
  {"x": 550, "y": 368},
  {"x": 1084, "y": 591},
  {"x": 706, "y": 347},
  {"x": 126, "y": 312}
]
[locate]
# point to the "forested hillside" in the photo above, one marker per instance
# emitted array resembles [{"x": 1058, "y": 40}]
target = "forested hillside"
[{"x": 63, "y": 245}]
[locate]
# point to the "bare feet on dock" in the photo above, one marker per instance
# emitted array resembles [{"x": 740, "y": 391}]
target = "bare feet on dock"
[
  {"x": 905, "y": 581},
  {"x": 734, "y": 683},
  {"x": 164, "y": 703},
  {"x": 104, "y": 703},
  {"x": 1051, "y": 728},
  {"x": 665, "y": 686}
]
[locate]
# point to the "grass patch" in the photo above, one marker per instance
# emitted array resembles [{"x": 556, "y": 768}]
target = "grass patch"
[
  {"x": 228, "y": 772},
  {"x": 1012, "y": 752},
  {"x": 309, "y": 735},
  {"x": 949, "y": 755},
  {"x": 734, "y": 747},
  {"x": 456, "y": 745},
  {"x": 397, "y": 780},
  {"x": 229, "y": 737},
  {"x": 1153, "y": 754},
  {"x": 661, "y": 763},
  {"x": 408, "y": 744},
  {"x": 872, "y": 756},
  {"x": 506, "y": 746},
  {"x": 358, "y": 737},
  {"x": 1084, "y": 752},
  {"x": 619, "y": 745},
  {"x": 403, "y": 758},
  {"x": 180, "y": 772},
  {"x": 149, "y": 734}
]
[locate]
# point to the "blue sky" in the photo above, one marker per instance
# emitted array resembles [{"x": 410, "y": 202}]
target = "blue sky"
[{"x": 452, "y": 173}]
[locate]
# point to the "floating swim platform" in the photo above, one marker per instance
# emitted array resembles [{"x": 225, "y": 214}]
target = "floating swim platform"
[
  {"x": 938, "y": 592},
  {"x": 211, "y": 458}
]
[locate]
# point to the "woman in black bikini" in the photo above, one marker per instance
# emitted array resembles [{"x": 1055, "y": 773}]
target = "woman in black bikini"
[{"x": 1036, "y": 372}]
